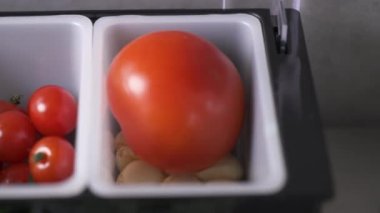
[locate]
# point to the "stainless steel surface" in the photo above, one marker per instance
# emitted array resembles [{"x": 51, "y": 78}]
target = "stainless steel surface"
[{"x": 281, "y": 22}]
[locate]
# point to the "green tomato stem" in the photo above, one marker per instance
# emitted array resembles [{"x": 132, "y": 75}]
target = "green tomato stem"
[
  {"x": 16, "y": 99},
  {"x": 39, "y": 157}
]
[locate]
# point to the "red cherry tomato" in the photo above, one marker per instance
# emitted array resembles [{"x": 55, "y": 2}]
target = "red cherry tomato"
[
  {"x": 53, "y": 110},
  {"x": 15, "y": 173},
  {"x": 51, "y": 159},
  {"x": 6, "y": 106},
  {"x": 178, "y": 99},
  {"x": 17, "y": 136}
]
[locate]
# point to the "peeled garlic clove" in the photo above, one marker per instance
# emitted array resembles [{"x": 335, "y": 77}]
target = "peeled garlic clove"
[
  {"x": 124, "y": 155},
  {"x": 140, "y": 172},
  {"x": 226, "y": 169},
  {"x": 119, "y": 141},
  {"x": 185, "y": 178}
]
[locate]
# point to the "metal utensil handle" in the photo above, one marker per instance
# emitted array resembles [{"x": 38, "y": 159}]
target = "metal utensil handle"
[{"x": 277, "y": 11}]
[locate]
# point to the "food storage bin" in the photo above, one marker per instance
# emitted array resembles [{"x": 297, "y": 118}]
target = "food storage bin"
[
  {"x": 281, "y": 146},
  {"x": 40, "y": 50},
  {"x": 239, "y": 36}
]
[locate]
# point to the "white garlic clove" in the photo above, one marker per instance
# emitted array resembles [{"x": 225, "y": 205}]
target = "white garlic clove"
[
  {"x": 228, "y": 168},
  {"x": 185, "y": 178},
  {"x": 140, "y": 172},
  {"x": 124, "y": 156},
  {"x": 119, "y": 141}
]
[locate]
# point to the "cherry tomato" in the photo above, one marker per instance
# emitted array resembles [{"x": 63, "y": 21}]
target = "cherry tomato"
[
  {"x": 178, "y": 99},
  {"x": 7, "y": 106},
  {"x": 15, "y": 173},
  {"x": 17, "y": 136},
  {"x": 53, "y": 110},
  {"x": 51, "y": 159}
]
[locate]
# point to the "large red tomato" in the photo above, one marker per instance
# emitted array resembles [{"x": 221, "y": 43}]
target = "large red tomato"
[
  {"x": 17, "y": 136},
  {"x": 178, "y": 99}
]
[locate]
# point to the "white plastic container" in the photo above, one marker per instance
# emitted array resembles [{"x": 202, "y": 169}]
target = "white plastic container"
[
  {"x": 240, "y": 36},
  {"x": 40, "y": 50}
]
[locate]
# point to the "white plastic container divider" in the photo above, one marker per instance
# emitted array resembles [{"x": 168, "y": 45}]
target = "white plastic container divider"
[
  {"x": 40, "y": 50},
  {"x": 240, "y": 36}
]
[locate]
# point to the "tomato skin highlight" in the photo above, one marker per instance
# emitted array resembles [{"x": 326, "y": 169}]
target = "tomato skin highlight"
[
  {"x": 178, "y": 99},
  {"x": 53, "y": 110},
  {"x": 51, "y": 160},
  {"x": 17, "y": 136},
  {"x": 15, "y": 173}
]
